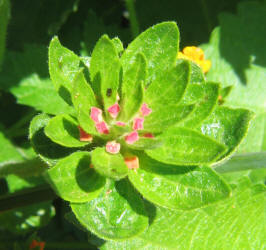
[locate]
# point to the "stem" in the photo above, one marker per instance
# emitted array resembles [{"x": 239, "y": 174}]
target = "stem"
[
  {"x": 68, "y": 245},
  {"x": 26, "y": 197},
  {"x": 55, "y": 245},
  {"x": 132, "y": 18}
]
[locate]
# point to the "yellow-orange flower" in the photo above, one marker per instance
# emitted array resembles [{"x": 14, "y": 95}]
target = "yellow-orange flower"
[{"x": 196, "y": 55}]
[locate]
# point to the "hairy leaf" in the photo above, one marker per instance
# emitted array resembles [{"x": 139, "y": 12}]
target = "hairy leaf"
[
  {"x": 49, "y": 151},
  {"x": 29, "y": 82},
  {"x": 63, "y": 129},
  {"x": 227, "y": 126},
  {"x": 205, "y": 96},
  {"x": 163, "y": 95},
  {"x": 118, "y": 213},
  {"x": 63, "y": 66},
  {"x": 105, "y": 71},
  {"x": 183, "y": 146},
  {"x": 177, "y": 187},
  {"x": 109, "y": 165},
  {"x": 234, "y": 223},
  {"x": 159, "y": 44},
  {"x": 74, "y": 180},
  {"x": 133, "y": 88}
]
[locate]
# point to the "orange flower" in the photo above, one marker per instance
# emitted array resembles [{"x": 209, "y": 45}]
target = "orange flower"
[
  {"x": 35, "y": 244},
  {"x": 196, "y": 55}
]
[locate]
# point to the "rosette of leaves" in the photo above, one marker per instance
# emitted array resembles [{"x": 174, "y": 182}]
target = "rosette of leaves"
[{"x": 144, "y": 124}]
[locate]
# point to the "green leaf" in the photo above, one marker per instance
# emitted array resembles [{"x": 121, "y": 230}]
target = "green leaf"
[
  {"x": 264, "y": 135},
  {"x": 227, "y": 126},
  {"x": 253, "y": 142},
  {"x": 118, "y": 213},
  {"x": 8, "y": 153},
  {"x": 118, "y": 45},
  {"x": 74, "y": 180},
  {"x": 41, "y": 95},
  {"x": 63, "y": 129},
  {"x": 133, "y": 88},
  {"x": 145, "y": 143},
  {"x": 177, "y": 187},
  {"x": 83, "y": 99},
  {"x": 105, "y": 71},
  {"x": 159, "y": 44},
  {"x": 4, "y": 16},
  {"x": 234, "y": 223},
  {"x": 182, "y": 146},
  {"x": 163, "y": 95},
  {"x": 167, "y": 119},
  {"x": 29, "y": 82},
  {"x": 237, "y": 52},
  {"x": 49, "y": 151},
  {"x": 63, "y": 66},
  {"x": 241, "y": 162},
  {"x": 206, "y": 97},
  {"x": 109, "y": 165},
  {"x": 224, "y": 93},
  {"x": 197, "y": 75}
]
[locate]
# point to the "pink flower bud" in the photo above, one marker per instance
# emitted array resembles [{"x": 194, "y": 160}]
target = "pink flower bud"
[
  {"x": 112, "y": 147},
  {"x": 132, "y": 162},
  {"x": 138, "y": 123},
  {"x": 102, "y": 128},
  {"x": 121, "y": 124},
  {"x": 114, "y": 110},
  {"x": 96, "y": 114},
  {"x": 132, "y": 137},
  {"x": 84, "y": 136},
  {"x": 145, "y": 110},
  {"x": 148, "y": 135}
]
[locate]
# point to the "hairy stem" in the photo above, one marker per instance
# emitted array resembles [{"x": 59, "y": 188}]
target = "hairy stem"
[{"x": 26, "y": 197}]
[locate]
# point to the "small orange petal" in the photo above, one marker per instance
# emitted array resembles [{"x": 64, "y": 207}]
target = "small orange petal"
[
  {"x": 84, "y": 136},
  {"x": 132, "y": 162}
]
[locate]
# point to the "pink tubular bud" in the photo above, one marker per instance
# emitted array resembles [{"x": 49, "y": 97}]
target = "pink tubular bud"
[
  {"x": 96, "y": 114},
  {"x": 121, "y": 124},
  {"x": 132, "y": 137},
  {"x": 145, "y": 110},
  {"x": 138, "y": 123},
  {"x": 148, "y": 135},
  {"x": 112, "y": 147},
  {"x": 114, "y": 110},
  {"x": 84, "y": 136},
  {"x": 132, "y": 162},
  {"x": 102, "y": 128}
]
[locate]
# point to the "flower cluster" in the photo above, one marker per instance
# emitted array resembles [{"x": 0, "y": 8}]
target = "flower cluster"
[
  {"x": 196, "y": 55},
  {"x": 103, "y": 127}
]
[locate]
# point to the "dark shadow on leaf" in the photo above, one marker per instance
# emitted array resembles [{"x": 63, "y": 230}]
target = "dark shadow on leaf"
[
  {"x": 127, "y": 191},
  {"x": 64, "y": 93},
  {"x": 242, "y": 38},
  {"x": 87, "y": 178},
  {"x": 45, "y": 147},
  {"x": 151, "y": 211},
  {"x": 96, "y": 88},
  {"x": 155, "y": 167},
  {"x": 71, "y": 128}
]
